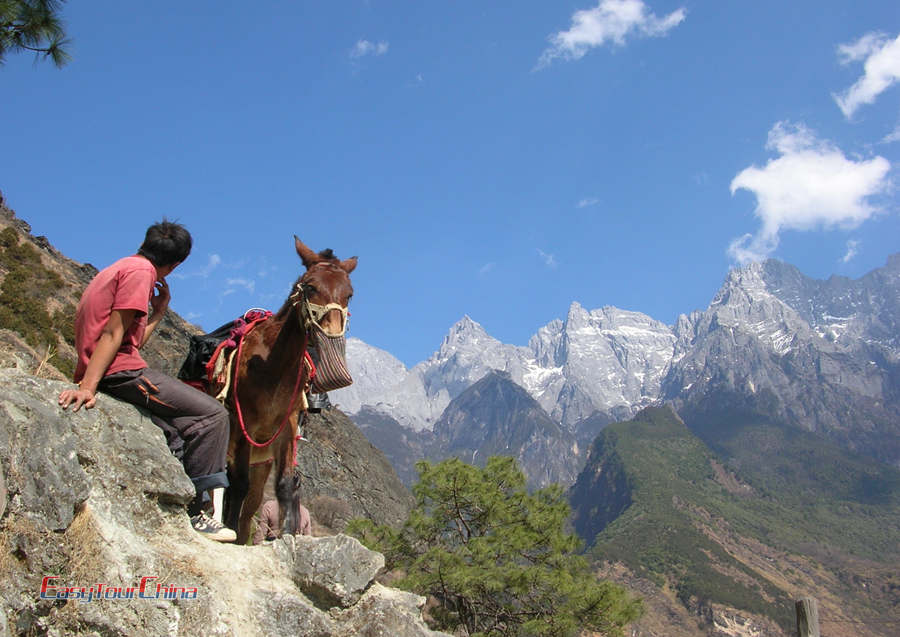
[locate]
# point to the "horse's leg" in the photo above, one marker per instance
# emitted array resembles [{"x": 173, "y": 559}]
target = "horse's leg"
[
  {"x": 238, "y": 485},
  {"x": 287, "y": 490},
  {"x": 259, "y": 473}
]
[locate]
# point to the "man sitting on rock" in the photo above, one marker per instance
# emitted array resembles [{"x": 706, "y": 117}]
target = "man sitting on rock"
[{"x": 111, "y": 325}]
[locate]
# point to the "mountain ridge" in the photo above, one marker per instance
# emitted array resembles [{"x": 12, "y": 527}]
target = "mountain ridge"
[
  {"x": 767, "y": 324},
  {"x": 743, "y": 511}
]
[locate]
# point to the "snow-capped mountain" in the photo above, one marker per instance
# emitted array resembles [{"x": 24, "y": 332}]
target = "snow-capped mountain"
[
  {"x": 417, "y": 397},
  {"x": 823, "y": 355},
  {"x": 606, "y": 360},
  {"x": 766, "y": 316}
]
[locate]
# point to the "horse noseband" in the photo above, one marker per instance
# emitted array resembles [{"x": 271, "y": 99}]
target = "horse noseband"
[{"x": 313, "y": 313}]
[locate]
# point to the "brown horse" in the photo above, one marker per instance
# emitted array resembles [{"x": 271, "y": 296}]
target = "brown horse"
[{"x": 270, "y": 376}]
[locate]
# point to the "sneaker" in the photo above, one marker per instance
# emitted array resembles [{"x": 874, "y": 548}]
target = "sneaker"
[{"x": 211, "y": 528}]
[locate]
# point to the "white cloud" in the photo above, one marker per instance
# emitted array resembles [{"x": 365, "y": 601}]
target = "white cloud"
[
  {"x": 588, "y": 201},
  {"x": 860, "y": 49},
  {"x": 610, "y": 21},
  {"x": 852, "y": 250},
  {"x": 893, "y": 136},
  {"x": 881, "y": 66},
  {"x": 247, "y": 284},
  {"x": 810, "y": 185},
  {"x": 548, "y": 259},
  {"x": 363, "y": 48},
  {"x": 212, "y": 263}
]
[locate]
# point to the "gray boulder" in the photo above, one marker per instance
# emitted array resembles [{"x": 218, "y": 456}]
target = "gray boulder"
[
  {"x": 331, "y": 571},
  {"x": 48, "y": 492},
  {"x": 386, "y": 612}
]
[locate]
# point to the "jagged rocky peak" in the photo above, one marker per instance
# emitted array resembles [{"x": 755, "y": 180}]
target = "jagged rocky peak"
[
  {"x": 469, "y": 346},
  {"x": 741, "y": 284},
  {"x": 842, "y": 310},
  {"x": 465, "y": 332},
  {"x": 746, "y": 303},
  {"x": 616, "y": 357},
  {"x": 467, "y": 353},
  {"x": 610, "y": 321},
  {"x": 546, "y": 344},
  {"x": 576, "y": 315}
]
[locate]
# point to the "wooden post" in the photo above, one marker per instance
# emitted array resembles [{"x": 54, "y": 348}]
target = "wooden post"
[{"x": 807, "y": 618}]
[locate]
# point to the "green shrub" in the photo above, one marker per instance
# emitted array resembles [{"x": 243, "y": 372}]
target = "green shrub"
[
  {"x": 26, "y": 286},
  {"x": 497, "y": 558}
]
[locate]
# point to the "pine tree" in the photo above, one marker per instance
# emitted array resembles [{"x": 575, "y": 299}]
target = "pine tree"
[
  {"x": 496, "y": 558},
  {"x": 32, "y": 25}
]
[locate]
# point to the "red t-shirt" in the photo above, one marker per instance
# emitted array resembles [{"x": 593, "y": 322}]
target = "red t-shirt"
[{"x": 125, "y": 285}]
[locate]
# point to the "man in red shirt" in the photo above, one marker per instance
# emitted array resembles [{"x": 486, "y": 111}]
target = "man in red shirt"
[{"x": 111, "y": 325}]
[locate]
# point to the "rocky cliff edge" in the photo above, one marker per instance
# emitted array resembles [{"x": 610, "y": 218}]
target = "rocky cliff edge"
[{"x": 92, "y": 503}]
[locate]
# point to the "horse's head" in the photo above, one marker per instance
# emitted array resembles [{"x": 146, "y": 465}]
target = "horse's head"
[{"x": 324, "y": 289}]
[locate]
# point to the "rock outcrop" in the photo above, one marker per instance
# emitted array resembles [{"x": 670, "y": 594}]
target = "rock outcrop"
[{"x": 94, "y": 540}]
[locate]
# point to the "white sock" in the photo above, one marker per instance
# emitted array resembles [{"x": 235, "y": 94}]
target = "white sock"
[{"x": 218, "y": 497}]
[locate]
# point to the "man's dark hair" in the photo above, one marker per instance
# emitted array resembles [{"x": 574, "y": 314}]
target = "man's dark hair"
[{"x": 166, "y": 243}]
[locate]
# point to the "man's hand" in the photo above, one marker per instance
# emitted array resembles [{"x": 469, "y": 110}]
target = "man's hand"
[
  {"x": 80, "y": 397},
  {"x": 160, "y": 299}
]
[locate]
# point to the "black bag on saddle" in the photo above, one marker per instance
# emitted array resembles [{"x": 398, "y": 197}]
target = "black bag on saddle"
[{"x": 200, "y": 350}]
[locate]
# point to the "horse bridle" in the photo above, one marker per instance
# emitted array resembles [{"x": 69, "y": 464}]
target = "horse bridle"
[{"x": 312, "y": 313}]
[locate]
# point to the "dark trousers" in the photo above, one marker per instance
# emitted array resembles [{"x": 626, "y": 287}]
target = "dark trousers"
[{"x": 195, "y": 424}]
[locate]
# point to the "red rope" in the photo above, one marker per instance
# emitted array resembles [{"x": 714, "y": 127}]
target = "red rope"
[{"x": 237, "y": 404}]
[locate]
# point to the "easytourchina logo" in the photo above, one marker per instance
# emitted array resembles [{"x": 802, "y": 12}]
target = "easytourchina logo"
[{"x": 148, "y": 588}]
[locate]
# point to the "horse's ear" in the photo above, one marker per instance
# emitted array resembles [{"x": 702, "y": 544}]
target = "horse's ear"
[
  {"x": 348, "y": 265},
  {"x": 306, "y": 255}
]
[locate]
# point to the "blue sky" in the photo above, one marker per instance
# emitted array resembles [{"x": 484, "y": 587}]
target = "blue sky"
[{"x": 499, "y": 160}]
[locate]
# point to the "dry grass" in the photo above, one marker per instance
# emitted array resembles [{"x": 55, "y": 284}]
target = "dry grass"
[
  {"x": 86, "y": 546},
  {"x": 16, "y": 353}
]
